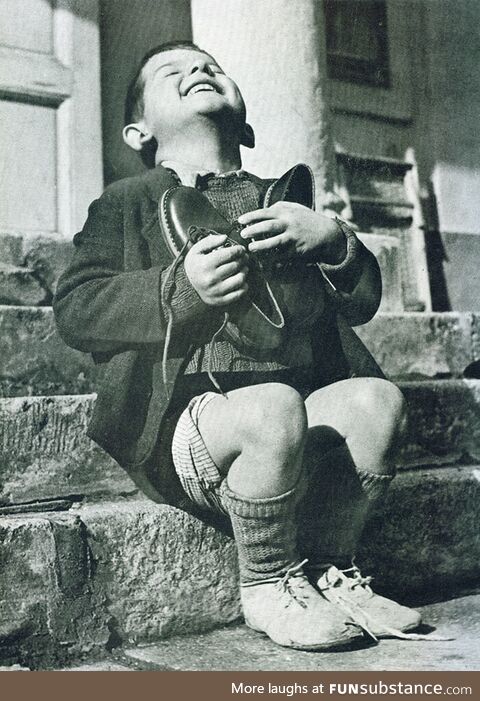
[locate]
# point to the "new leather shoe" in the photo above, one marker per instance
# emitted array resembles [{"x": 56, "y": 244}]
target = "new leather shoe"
[{"x": 185, "y": 215}]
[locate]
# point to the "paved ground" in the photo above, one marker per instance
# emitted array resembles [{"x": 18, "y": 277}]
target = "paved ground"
[{"x": 238, "y": 648}]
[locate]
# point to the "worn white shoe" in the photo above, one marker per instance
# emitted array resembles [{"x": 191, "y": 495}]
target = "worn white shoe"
[
  {"x": 293, "y": 614},
  {"x": 378, "y": 616}
]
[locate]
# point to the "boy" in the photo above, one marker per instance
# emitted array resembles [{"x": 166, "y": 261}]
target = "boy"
[{"x": 295, "y": 449}]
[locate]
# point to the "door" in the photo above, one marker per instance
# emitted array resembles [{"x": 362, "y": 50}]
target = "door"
[{"x": 50, "y": 126}]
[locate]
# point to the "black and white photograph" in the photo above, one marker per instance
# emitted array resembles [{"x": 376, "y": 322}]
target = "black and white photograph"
[{"x": 240, "y": 337}]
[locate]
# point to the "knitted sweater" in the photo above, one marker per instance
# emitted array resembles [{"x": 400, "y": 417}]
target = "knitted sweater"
[{"x": 233, "y": 195}]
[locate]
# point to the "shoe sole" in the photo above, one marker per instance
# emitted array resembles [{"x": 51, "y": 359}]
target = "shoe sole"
[{"x": 325, "y": 647}]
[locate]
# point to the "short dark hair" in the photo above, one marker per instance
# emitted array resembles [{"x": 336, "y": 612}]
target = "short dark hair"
[{"x": 134, "y": 104}]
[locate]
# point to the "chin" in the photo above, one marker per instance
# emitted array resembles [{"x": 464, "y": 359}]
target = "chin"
[
  {"x": 209, "y": 102},
  {"x": 217, "y": 108}
]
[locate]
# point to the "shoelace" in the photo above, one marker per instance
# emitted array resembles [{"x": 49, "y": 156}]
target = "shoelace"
[
  {"x": 357, "y": 579},
  {"x": 291, "y": 584},
  {"x": 361, "y": 617},
  {"x": 166, "y": 293}
]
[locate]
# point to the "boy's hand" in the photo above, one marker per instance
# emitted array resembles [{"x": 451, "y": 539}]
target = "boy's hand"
[
  {"x": 290, "y": 229},
  {"x": 219, "y": 275}
]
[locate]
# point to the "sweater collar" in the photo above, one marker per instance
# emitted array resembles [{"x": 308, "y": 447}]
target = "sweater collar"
[
  {"x": 159, "y": 179},
  {"x": 192, "y": 176}
]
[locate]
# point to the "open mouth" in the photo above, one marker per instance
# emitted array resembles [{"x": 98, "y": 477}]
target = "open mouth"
[{"x": 202, "y": 87}]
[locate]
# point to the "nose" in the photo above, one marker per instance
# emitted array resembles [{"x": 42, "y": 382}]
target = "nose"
[{"x": 201, "y": 65}]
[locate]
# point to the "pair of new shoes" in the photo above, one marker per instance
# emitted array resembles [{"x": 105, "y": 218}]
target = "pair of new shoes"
[{"x": 334, "y": 613}]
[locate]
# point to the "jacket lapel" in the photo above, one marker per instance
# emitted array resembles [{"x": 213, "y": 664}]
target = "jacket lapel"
[{"x": 157, "y": 181}]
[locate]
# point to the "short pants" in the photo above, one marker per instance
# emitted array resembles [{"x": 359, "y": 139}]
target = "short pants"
[{"x": 198, "y": 474}]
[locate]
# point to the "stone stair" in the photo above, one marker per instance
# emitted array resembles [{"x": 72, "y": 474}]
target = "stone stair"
[
  {"x": 89, "y": 564},
  {"x": 45, "y": 453},
  {"x": 237, "y": 648},
  {"x": 34, "y": 360},
  {"x": 382, "y": 197}
]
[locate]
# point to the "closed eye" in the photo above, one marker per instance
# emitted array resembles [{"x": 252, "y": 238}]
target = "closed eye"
[{"x": 166, "y": 71}]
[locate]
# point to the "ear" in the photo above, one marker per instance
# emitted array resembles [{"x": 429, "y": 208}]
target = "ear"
[
  {"x": 248, "y": 136},
  {"x": 136, "y": 135}
]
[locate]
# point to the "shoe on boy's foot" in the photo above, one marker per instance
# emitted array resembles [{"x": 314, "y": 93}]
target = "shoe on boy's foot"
[
  {"x": 378, "y": 616},
  {"x": 293, "y": 614}
]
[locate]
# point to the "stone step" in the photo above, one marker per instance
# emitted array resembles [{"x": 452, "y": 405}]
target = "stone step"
[
  {"x": 47, "y": 256},
  {"x": 386, "y": 249},
  {"x": 130, "y": 572},
  {"x": 21, "y": 285},
  {"x": 45, "y": 453},
  {"x": 33, "y": 358},
  {"x": 238, "y": 648},
  {"x": 418, "y": 344},
  {"x": 45, "y": 253},
  {"x": 35, "y": 361}
]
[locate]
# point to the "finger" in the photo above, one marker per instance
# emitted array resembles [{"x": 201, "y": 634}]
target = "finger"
[
  {"x": 234, "y": 296},
  {"x": 229, "y": 298},
  {"x": 232, "y": 284},
  {"x": 264, "y": 228},
  {"x": 267, "y": 244},
  {"x": 256, "y": 215},
  {"x": 210, "y": 243},
  {"x": 226, "y": 255},
  {"x": 229, "y": 269}
]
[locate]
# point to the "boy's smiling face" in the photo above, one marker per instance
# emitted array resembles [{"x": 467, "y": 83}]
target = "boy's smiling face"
[{"x": 182, "y": 84}]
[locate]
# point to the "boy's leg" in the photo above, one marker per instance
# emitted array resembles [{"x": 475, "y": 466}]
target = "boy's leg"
[
  {"x": 354, "y": 431},
  {"x": 355, "y": 425},
  {"x": 256, "y": 438}
]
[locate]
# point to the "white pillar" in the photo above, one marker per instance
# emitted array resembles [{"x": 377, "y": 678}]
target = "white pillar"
[{"x": 275, "y": 51}]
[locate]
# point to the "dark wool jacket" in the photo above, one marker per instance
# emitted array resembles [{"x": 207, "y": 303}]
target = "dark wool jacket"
[{"x": 109, "y": 303}]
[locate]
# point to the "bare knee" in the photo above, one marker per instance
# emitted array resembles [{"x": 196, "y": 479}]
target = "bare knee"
[
  {"x": 275, "y": 420},
  {"x": 380, "y": 400},
  {"x": 382, "y": 418}
]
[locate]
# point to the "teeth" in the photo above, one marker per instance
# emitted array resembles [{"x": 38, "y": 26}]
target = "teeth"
[{"x": 202, "y": 86}]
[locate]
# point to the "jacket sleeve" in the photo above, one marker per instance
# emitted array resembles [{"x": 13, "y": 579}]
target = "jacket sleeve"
[
  {"x": 102, "y": 308},
  {"x": 355, "y": 284}
]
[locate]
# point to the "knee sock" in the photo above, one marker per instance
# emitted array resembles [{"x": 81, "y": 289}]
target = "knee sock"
[
  {"x": 374, "y": 485},
  {"x": 265, "y": 533},
  {"x": 334, "y": 509}
]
